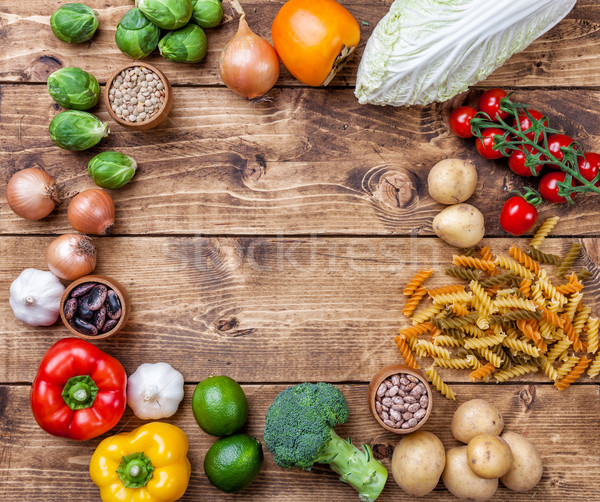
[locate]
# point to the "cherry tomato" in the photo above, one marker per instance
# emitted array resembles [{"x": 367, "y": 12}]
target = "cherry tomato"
[
  {"x": 589, "y": 165},
  {"x": 313, "y": 38},
  {"x": 460, "y": 121},
  {"x": 518, "y": 216},
  {"x": 489, "y": 103},
  {"x": 517, "y": 160},
  {"x": 555, "y": 142},
  {"x": 526, "y": 123},
  {"x": 486, "y": 147},
  {"x": 549, "y": 187}
]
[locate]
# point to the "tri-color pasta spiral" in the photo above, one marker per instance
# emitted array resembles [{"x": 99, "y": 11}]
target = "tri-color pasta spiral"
[
  {"x": 491, "y": 356},
  {"x": 497, "y": 280},
  {"x": 521, "y": 346},
  {"x": 453, "y": 363},
  {"x": 592, "y": 334},
  {"x": 515, "y": 371},
  {"x": 469, "y": 261},
  {"x": 426, "y": 314},
  {"x": 574, "y": 374},
  {"x": 513, "y": 266},
  {"x": 543, "y": 231},
  {"x": 485, "y": 342},
  {"x": 545, "y": 258},
  {"x": 594, "y": 368},
  {"x": 439, "y": 384},
  {"x": 483, "y": 372},
  {"x": 463, "y": 273},
  {"x": 566, "y": 367},
  {"x": 453, "y": 288},
  {"x": 413, "y": 302},
  {"x": 406, "y": 353},
  {"x": 416, "y": 330},
  {"x": 569, "y": 259},
  {"x": 525, "y": 260},
  {"x": 447, "y": 341},
  {"x": 416, "y": 281},
  {"x": 433, "y": 350}
]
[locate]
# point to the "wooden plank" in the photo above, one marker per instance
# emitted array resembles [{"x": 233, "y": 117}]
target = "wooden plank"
[
  {"x": 309, "y": 162},
  {"x": 298, "y": 309},
  {"x": 36, "y": 466},
  {"x": 567, "y": 56}
]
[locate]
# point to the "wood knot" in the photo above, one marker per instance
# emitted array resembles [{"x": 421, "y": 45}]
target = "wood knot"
[
  {"x": 528, "y": 396},
  {"x": 395, "y": 189},
  {"x": 254, "y": 169},
  {"x": 42, "y": 67},
  {"x": 227, "y": 324},
  {"x": 381, "y": 451}
]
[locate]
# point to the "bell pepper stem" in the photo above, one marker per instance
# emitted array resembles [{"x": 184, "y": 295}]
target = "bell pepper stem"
[
  {"x": 79, "y": 392},
  {"x": 135, "y": 470}
]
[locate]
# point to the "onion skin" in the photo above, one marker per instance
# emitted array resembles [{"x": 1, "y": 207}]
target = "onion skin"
[
  {"x": 249, "y": 65},
  {"x": 71, "y": 256},
  {"x": 92, "y": 212},
  {"x": 32, "y": 194}
]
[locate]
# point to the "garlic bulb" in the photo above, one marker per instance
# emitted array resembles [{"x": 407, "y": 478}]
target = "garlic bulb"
[
  {"x": 35, "y": 297},
  {"x": 154, "y": 391}
]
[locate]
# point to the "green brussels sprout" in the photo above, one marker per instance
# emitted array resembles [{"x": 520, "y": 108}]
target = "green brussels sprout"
[
  {"x": 136, "y": 36},
  {"x": 112, "y": 169},
  {"x": 74, "y": 23},
  {"x": 77, "y": 130},
  {"x": 74, "y": 88},
  {"x": 186, "y": 45},
  {"x": 166, "y": 14},
  {"x": 207, "y": 13}
]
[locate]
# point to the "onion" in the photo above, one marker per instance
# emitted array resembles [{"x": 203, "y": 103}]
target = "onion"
[
  {"x": 249, "y": 65},
  {"x": 71, "y": 256},
  {"x": 92, "y": 212},
  {"x": 32, "y": 194}
]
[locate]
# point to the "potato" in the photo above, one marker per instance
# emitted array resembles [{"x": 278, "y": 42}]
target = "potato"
[
  {"x": 476, "y": 417},
  {"x": 461, "y": 481},
  {"x": 418, "y": 462},
  {"x": 452, "y": 181},
  {"x": 489, "y": 456},
  {"x": 460, "y": 225},
  {"x": 526, "y": 470}
]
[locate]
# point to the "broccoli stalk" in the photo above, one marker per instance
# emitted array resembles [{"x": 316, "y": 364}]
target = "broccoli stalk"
[{"x": 299, "y": 432}]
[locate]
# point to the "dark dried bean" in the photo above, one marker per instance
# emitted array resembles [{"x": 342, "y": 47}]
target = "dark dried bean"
[
  {"x": 97, "y": 297},
  {"x": 113, "y": 305},
  {"x": 83, "y": 310},
  {"x": 412, "y": 379},
  {"x": 384, "y": 415},
  {"x": 414, "y": 407},
  {"x": 389, "y": 423},
  {"x": 395, "y": 415},
  {"x": 405, "y": 425},
  {"x": 424, "y": 401},
  {"x": 108, "y": 325},
  {"x": 385, "y": 408},
  {"x": 396, "y": 379},
  {"x": 99, "y": 317},
  {"x": 82, "y": 289},
  {"x": 417, "y": 391},
  {"x": 377, "y": 398},
  {"x": 84, "y": 327},
  {"x": 402, "y": 408},
  {"x": 387, "y": 401},
  {"x": 397, "y": 400},
  {"x": 388, "y": 384},
  {"x": 410, "y": 399},
  {"x": 377, "y": 406},
  {"x": 381, "y": 390},
  {"x": 393, "y": 391},
  {"x": 407, "y": 415},
  {"x": 412, "y": 422},
  {"x": 419, "y": 414},
  {"x": 411, "y": 386},
  {"x": 404, "y": 380},
  {"x": 401, "y": 392},
  {"x": 70, "y": 308}
]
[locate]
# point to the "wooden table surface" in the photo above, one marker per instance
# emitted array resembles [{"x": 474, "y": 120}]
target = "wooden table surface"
[{"x": 270, "y": 242}]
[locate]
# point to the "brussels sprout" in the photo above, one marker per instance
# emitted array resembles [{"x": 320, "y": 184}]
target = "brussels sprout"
[
  {"x": 186, "y": 45},
  {"x": 207, "y": 13},
  {"x": 77, "y": 130},
  {"x": 112, "y": 169},
  {"x": 74, "y": 23},
  {"x": 166, "y": 14},
  {"x": 136, "y": 36},
  {"x": 74, "y": 88}
]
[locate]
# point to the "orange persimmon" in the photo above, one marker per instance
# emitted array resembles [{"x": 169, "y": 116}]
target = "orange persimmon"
[{"x": 314, "y": 38}]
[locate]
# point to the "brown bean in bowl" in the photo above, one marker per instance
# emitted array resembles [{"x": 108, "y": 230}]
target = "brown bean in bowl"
[{"x": 400, "y": 399}]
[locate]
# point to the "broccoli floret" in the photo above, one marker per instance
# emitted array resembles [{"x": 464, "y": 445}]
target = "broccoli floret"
[{"x": 299, "y": 433}]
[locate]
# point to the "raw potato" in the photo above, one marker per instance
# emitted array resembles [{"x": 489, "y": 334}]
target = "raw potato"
[
  {"x": 418, "y": 462},
  {"x": 462, "y": 482},
  {"x": 489, "y": 456},
  {"x": 527, "y": 468},
  {"x": 460, "y": 225},
  {"x": 475, "y": 417},
  {"x": 452, "y": 181}
]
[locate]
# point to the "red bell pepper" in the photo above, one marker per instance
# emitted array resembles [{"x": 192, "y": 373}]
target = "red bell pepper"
[{"x": 79, "y": 391}]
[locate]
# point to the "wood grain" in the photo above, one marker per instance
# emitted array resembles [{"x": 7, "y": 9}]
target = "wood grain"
[
  {"x": 258, "y": 309},
  {"x": 309, "y": 162},
  {"x": 567, "y": 56},
  {"x": 44, "y": 468}
]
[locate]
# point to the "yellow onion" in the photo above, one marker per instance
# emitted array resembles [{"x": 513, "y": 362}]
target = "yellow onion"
[
  {"x": 249, "y": 65},
  {"x": 71, "y": 256},
  {"x": 32, "y": 194},
  {"x": 92, "y": 212}
]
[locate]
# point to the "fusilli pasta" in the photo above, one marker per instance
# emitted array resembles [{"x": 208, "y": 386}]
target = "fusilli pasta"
[{"x": 439, "y": 384}]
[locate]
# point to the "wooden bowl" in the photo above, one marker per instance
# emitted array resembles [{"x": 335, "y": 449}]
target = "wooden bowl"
[
  {"x": 386, "y": 372},
  {"x": 109, "y": 282},
  {"x": 155, "y": 119}
]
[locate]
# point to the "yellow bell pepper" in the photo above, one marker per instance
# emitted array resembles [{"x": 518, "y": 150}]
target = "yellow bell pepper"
[{"x": 148, "y": 464}]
